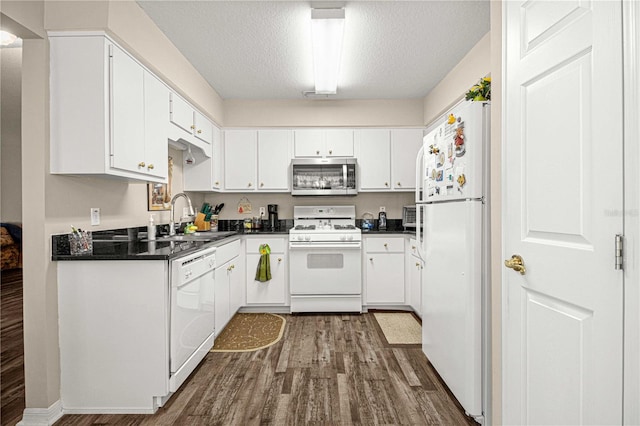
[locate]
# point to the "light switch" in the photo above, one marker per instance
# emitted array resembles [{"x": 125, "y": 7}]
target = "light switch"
[{"x": 95, "y": 216}]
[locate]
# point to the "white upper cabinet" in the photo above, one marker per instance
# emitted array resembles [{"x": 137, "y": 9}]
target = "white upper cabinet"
[
  {"x": 206, "y": 173},
  {"x": 405, "y": 144},
  {"x": 323, "y": 143},
  {"x": 107, "y": 116},
  {"x": 373, "y": 149},
  {"x": 188, "y": 123},
  {"x": 240, "y": 153},
  {"x": 274, "y": 158},
  {"x": 257, "y": 160}
]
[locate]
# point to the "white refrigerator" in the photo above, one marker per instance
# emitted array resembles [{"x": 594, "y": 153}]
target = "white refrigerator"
[{"x": 451, "y": 199}]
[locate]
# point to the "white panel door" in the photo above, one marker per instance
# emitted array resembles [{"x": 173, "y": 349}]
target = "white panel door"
[
  {"x": 385, "y": 278},
  {"x": 274, "y": 158},
  {"x": 127, "y": 112},
  {"x": 272, "y": 292},
  {"x": 562, "y": 319},
  {"x": 181, "y": 113},
  {"x": 309, "y": 143},
  {"x": 240, "y": 153}
]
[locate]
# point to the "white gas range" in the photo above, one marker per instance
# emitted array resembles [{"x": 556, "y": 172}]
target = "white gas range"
[{"x": 325, "y": 272}]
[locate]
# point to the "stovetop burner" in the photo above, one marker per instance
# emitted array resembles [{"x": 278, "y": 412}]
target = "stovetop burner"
[
  {"x": 346, "y": 227},
  {"x": 304, "y": 227}
]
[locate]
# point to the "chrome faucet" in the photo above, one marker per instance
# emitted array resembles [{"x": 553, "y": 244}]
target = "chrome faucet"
[{"x": 172, "y": 225}]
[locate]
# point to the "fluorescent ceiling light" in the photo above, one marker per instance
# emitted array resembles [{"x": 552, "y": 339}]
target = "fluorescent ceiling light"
[
  {"x": 7, "y": 38},
  {"x": 327, "y": 28}
]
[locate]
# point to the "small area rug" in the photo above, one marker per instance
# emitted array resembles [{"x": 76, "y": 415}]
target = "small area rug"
[
  {"x": 250, "y": 332},
  {"x": 399, "y": 328}
]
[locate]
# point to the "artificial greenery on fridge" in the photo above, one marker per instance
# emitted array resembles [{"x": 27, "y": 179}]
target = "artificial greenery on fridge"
[{"x": 481, "y": 91}]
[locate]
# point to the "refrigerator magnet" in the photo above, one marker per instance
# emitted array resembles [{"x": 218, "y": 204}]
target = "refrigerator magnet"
[
  {"x": 440, "y": 162},
  {"x": 462, "y": 180},
  {"x": 440, "y": 175},
  {"x": 459, "y": 140},
  {"x": 451, "y": 119},
  {"x": 448, "y": 173}
]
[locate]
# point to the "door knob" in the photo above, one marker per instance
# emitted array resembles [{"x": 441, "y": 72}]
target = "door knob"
[{"x": 516, "y": 263}]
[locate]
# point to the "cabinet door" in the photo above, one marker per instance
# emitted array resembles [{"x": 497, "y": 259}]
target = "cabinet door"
[
  {"x": 127, "y": 112},
  {"x": 216, "y": 159},
  {"x": 236, "y": 285},
  {"x": 405, "y": 144},
  {"x": 414, "y": 280},
  {"x": 222, "y": 300},
  {"x": 274, "y": 158},
  {"x": 385, "y": 278},
  {"x": 181, "y": 113},
  {"x": 272, "y": 292},
  {"x": 373, "y": 159},
  {"x": 240, "y": 160},
  {"x": 156, "y": 119},
  {"x": 203, "y": 127},
  {"x": 308, "y": 143},
  {"x": 338, "y": 142}
]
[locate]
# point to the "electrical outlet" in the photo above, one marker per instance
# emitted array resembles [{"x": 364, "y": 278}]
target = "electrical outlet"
[
  {"x": 95, "y": 216},
  {"x": 383, "y": 209},
  {"x": 262, "y": 211}
]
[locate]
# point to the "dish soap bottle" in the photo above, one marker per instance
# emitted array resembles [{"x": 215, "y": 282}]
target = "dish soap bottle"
[{"x": 151, "y": 229}]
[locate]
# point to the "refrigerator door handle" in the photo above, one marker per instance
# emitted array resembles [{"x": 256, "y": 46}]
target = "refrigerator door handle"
[
  {"x": 419, "y": 181},
  {"x": 419, "y": 249}
]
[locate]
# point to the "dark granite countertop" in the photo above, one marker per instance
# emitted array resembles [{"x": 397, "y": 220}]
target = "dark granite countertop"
[{"x": 136, "y": 249}]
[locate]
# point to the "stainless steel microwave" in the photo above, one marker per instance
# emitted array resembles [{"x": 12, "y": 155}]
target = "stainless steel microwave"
[{"x": 324, "y": 176}]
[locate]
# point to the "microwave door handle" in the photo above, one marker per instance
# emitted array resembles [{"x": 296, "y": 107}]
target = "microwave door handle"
[{"x": 344, "y": 177}]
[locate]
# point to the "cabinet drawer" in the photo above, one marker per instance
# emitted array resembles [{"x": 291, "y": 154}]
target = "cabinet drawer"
[
  {"x": 276, "y": 244},
  {"x": 385, "y": 245},
  {"x": 227, "y": 252}
]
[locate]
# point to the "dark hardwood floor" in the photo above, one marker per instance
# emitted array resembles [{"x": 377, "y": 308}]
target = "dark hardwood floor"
[
  {"x": 327, "y": 369},
  {"x": 11, "y": 348}
]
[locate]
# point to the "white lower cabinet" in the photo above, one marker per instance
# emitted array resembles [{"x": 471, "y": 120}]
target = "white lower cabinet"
[
  {"x": 384, "y": 270},
  {"x": 415, "y": 265},
  {"x": 228, "y": 291},
  {"x": 276, "y": 290},
  {"x": 113, "y": 321}
]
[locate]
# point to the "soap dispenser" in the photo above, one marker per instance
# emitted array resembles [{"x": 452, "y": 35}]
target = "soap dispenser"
[{"x": 151, "y": 229}]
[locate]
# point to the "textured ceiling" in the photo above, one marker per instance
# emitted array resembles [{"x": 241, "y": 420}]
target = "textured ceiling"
[{"x": 262, "y": 50}]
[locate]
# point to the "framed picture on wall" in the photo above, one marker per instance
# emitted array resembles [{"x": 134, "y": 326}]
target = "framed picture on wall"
[{"x": 159, "y": 194}]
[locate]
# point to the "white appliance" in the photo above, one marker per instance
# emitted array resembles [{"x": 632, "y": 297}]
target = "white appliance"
[
  {"x": 451, "y": 198},
  {"x": 192, "y": 323},
  {"x": 325, "y": 271}
]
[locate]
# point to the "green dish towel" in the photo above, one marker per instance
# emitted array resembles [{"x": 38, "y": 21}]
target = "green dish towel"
[{"x": 263, "y": 271}]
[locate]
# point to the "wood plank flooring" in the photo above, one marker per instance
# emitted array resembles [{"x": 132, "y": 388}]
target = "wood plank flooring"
[
  {"x": 327, "y": 369},
  {"x": 11, "y": 348}
]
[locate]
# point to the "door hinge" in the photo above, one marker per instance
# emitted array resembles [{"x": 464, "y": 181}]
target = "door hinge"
[{"x": 618, "y": 251}]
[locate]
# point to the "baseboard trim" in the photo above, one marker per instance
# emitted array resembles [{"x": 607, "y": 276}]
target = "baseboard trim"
[{"x": 41, "y": 416}]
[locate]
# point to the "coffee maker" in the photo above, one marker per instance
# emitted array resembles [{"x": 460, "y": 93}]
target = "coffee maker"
[
  {"x": 273, "y": 216},
  {"x": 382, "y": 221}
]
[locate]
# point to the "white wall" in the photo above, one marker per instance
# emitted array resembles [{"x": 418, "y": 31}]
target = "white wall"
[
  {"x": 322, "y": 112},
  {"x": 10, "y": 136},
  {"x": 364, "y": 202},
  {"x": 475, "y": 65}
]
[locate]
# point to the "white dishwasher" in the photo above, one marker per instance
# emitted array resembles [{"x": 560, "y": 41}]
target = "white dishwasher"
[{"x": 192, "y": 313}]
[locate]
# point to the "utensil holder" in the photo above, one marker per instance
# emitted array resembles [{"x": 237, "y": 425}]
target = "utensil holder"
[{"x": 80, "y": 243}]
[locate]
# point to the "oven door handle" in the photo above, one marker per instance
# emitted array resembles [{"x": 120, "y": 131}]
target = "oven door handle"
[{"x": 339, "y": 246}]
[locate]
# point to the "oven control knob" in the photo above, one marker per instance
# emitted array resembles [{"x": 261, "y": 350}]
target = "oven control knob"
[
  {"x": 343, "y": 237},
  {"x": 350, "y": 237},
  {"x": 300, "y": 238},
  {"x": 307, "y": 238}
]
